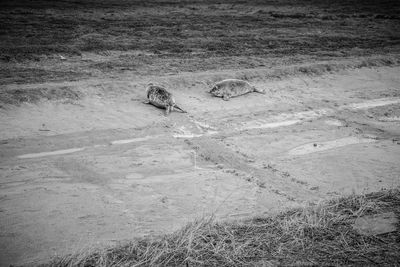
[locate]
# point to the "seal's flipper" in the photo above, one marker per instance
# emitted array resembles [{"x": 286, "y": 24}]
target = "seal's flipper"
[
  {"x": 146, "y": 102},
  {"x": 226, "y": 97},
  {"x": 261, "y": 91},
  {"x": 167, "y": 110},
  {"x": 178, "y": 108}
]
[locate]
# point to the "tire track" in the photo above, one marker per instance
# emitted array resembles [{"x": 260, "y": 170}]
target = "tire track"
[{"x": 211, "y": 150}]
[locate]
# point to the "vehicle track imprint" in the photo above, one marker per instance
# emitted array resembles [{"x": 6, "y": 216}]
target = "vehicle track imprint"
[
  {"x": 282, "y": 120},
  {"x": 211, "y": 150},
  {"x": 322, "y": 146},
  {"x": 372, "y": 103},
  {"x": 51, "y": 153},
  {"x": 132, "y": 140},
  {"x": 287, "y": 119}
]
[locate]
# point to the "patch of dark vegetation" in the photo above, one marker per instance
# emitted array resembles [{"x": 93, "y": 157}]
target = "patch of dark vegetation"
[
  {"x": 261, "y": 68},
  {"x": 322, "y": 235},
  {"x": 21, "y": 75},
  {"x": 18, "y": 96},
  {"x": 89, "y": 38},
  {"x": 181, "y": 28},
  {"x": 34, "y": 52},
  {"x": 317, "y": 69}
]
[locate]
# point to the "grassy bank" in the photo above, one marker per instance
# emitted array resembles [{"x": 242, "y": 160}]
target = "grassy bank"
[
  {"x": 318, "y": 235},
  {"x": 181, "y": 81}
]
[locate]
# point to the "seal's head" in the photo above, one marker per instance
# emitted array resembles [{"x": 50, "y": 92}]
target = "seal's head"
[
  {"x": 217, "y": 90},
  {"x": 148, "y": 87}
]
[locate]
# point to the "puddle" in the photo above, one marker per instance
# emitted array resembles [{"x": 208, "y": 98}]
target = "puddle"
[
  {"x": 51, "y": 153},
  {"x": 287, "y": 119},
  {"x": 334, "y": 122},
  {"x": 192, "y": 135},
  {"x": 322, "y": 146},
  {"x": 185, "y": 133},
  {"x": 133, "y": 140},
  {"x": 389, "y": 119},
  {"x": 258, "y": 125},
  {"x": 373, "y": 103},
  {"x": 202, "y": 125}
]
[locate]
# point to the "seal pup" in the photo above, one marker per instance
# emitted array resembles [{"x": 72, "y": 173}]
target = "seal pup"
[
  {"x": 233, "y": 87},
  {"x": 161, "y": 98}
]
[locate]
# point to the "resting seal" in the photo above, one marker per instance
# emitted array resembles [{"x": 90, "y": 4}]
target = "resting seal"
[
  {"x": 161, "y": 98},
  {"x": 233, "y": 87}
]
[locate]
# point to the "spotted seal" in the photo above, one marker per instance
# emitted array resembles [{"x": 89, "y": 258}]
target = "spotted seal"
[
  {"x": 233, "y": 87},
  {"x": 161, "y": 98}
]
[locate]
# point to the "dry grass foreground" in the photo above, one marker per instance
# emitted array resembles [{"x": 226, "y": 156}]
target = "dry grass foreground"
[{"x": 312, "y": 236}]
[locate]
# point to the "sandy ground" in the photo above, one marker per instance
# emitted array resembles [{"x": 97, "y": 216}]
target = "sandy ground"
[{"x": 107, "y": 168}]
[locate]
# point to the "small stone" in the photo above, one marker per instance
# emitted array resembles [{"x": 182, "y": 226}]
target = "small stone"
[{"x": 376, "y": 224}]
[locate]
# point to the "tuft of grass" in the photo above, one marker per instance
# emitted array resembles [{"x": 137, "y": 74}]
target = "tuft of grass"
[{"x": 316, "y": 235}]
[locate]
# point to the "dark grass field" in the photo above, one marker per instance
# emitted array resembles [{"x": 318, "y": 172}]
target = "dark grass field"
[
  {"x": 154, "y": 37},
  {"x": 209, "y": 28}
]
